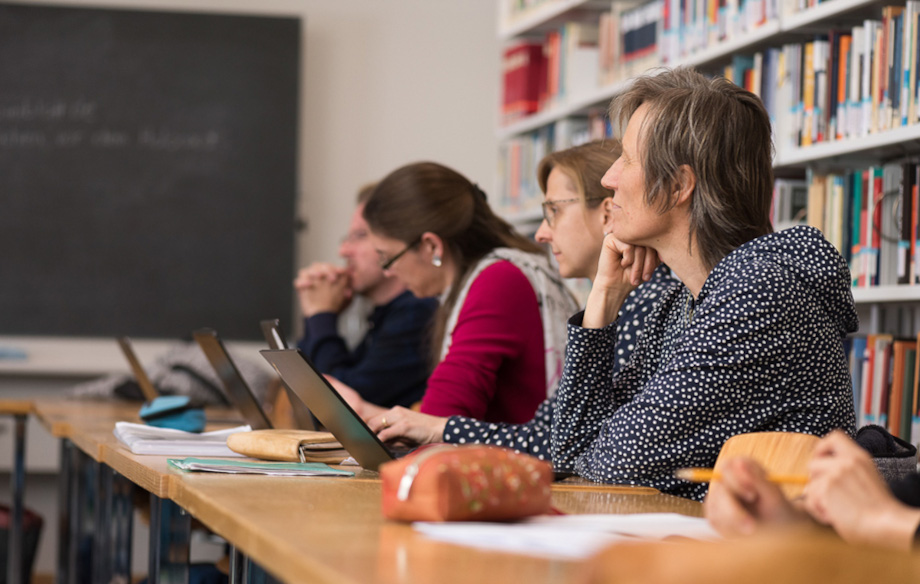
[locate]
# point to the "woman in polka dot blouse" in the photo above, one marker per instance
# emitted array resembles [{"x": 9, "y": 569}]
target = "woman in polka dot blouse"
[
  {"x": 752, "y": 340},
  {"x": 575, "y": 209}
]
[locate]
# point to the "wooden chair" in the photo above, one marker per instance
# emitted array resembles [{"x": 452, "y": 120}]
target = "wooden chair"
[{"x": 778, "y": 452}]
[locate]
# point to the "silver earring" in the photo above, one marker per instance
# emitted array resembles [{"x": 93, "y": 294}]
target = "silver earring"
[{"x": 436, "y": 261}]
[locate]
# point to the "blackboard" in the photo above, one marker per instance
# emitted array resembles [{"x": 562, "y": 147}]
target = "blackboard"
[{"x": 147, "y": 171}]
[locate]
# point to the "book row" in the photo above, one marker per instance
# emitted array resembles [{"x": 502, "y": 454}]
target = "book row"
[
  {"x": 870, "y": 214},
  {"x": 540, "y": 74},
  {"x": 848, "y": 83},
  {"x": 845, "y": 84},
  {"x": 885, "y": 376},
  {"x": 519, "y": 158},
  {"x": 602, "y": 47}
]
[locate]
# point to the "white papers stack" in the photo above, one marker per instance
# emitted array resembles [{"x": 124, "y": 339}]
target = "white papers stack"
[
  {"x": 279, "y": 469},
  {"x": 143, "y": 439},
  {"x": 567, "y": 537}
]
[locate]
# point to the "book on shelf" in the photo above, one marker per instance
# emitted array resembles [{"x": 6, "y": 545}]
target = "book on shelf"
[
  {"x": 899, "y": 377},
  {"x": 581, "y": 58},
  {"x": 819, "y": 120},
  {"x": 915, "y": 401},
  {"x": 808, "y": 94},
  {"x": 855, "y": 66},
  {"x": 786, "y": 107},
  {"x": 524, "y": 80},
  {"x": 856, "y": 218},
  {"x": 817, "y": 189},
  {"x": 609, "y": 45},
  {"x": 875, "y": 381},
  {"x": 790, "y": 200},
  {"x": 913, "y": 267},
  {"x": 909, "y": 70},
  {"x": 907, "y": 207},
  {"x": 857, "y": 358},
  {"x": 640, "y": 29},
  {"x": 836, "y": 103},
  {"x": 888, "y": 225},
  {"x": 768, "y": 91}
]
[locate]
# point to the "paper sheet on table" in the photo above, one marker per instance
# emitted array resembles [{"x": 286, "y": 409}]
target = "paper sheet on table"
[
  {"x": 144, "y": 439},
  {"x": 278, "y": 469},
  {"x": 567, "y": 536}
]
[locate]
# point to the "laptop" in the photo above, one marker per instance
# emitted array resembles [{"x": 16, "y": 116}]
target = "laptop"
[
  {"x": 274, "y": 336},
  {"x": 237, "y": 389},
  {"x": 149, "y": 391},
  {"x": 302, "y": 378}
]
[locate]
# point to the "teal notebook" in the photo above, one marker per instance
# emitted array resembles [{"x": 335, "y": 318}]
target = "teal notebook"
[{"x": 230, "y": 466}]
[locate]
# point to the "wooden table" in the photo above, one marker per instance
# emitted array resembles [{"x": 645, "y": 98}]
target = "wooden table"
[
  {"x": 332, "y": 530},
  {"x": 300, "y": 529},
  {"x": 91, "y": 454}
]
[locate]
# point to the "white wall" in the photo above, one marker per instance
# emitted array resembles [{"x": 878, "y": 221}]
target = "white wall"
[{"x": 390, "y": 82}]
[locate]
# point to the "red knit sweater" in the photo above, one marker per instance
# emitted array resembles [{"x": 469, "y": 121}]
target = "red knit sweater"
[{"x": 494, "y": 369}]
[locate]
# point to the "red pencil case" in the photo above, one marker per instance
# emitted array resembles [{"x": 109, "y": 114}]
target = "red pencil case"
[{"x": 465, "y": 483}]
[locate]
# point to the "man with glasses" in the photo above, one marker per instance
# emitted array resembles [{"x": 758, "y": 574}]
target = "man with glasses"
[{"x": 389, "y": 366}]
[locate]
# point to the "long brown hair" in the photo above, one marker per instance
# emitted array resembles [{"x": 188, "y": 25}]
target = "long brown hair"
[{"x": 430, "y": 197}]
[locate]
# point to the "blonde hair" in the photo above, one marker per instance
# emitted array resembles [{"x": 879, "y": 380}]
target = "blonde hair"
[{"x": 585, "y": 165}]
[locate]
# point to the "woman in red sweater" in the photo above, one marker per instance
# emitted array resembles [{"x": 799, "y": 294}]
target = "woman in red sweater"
[{"x": 499, "y": 336}]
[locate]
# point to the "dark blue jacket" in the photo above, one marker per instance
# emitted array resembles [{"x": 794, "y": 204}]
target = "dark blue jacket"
[{"x": 390, "y": 366}]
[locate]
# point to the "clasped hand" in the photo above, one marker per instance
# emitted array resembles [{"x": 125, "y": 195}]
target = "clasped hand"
[{"x": 323, "y": 288}]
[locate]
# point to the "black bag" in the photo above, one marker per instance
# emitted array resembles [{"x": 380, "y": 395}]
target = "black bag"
[{"x": 894, "y": 457}]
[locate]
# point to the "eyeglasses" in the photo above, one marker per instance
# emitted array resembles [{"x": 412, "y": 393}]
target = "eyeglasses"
[
  {"x": 550, "y": 210},
  {"x": 355, "y": 236},
  {"x": 387, "y": 264}
]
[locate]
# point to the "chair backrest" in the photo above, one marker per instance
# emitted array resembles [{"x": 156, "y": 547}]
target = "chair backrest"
[{"x": 777, "y": 452}]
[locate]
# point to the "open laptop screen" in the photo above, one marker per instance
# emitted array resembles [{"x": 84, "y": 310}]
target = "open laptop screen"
[
  {"x": 333, "y": 411},
  {"x": 147, "y": 388},
  {"x": 271, "y": 330},
  {"x": 274, "y": 336},
  {"x": 237, "y": 389}
]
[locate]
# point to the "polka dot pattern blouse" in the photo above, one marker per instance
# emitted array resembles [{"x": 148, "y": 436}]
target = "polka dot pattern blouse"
[
  {"x": 760, "y": 349},
  {"x": 534, "y": 437}
]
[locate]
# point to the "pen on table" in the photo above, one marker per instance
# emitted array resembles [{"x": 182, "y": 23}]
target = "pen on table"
[{"x": 707, "y": 475}]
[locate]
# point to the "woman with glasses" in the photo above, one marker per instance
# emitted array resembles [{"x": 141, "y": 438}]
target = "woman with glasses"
[
  {"x": 498, "y": 338},
  {"x": 576, "y": 213}
]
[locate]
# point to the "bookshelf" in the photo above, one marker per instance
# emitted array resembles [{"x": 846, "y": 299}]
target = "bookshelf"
[
  {"x": 533, "y": 19},
  {"x": 751, "y": 30}
]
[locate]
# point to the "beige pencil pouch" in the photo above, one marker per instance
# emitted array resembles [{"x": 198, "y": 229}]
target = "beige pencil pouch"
[{"x": 288, "y": 445}]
